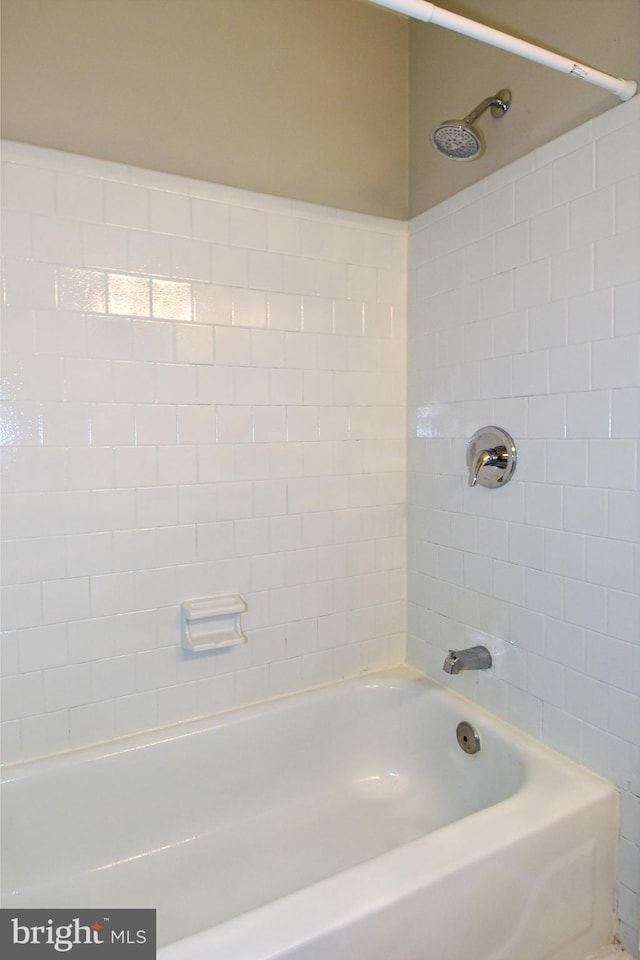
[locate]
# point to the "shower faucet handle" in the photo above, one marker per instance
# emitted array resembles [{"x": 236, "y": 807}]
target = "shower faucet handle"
[
  {"x": 491, "y": 457},
  {"x": 484, "y": 458}
]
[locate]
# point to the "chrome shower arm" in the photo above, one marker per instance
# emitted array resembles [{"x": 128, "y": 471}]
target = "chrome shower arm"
[{"x": 499, "y": 106}]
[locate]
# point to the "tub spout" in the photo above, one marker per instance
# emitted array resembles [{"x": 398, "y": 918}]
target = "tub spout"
[{"x": 473, "y": 658}]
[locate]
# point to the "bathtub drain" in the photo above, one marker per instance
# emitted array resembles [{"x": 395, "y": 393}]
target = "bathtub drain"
[{"x": 468, "y": 737}]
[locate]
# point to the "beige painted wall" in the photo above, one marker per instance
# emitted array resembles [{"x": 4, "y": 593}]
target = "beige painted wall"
[
  {"x": 312, "y": 99},
  {"x": 450, "y": 74},
  {"x": 298, "y": 98}
]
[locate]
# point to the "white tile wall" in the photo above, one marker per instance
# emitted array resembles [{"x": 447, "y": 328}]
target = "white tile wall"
[
  {"x": 203, "y": 393},
  {"x": 537, "y": 330}
]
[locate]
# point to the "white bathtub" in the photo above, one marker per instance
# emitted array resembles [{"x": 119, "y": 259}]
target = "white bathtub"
[{"x": 341, "y": 824}]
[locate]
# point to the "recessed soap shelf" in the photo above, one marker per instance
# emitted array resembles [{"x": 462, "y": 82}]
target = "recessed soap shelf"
[{"x": 212, "y": 622}]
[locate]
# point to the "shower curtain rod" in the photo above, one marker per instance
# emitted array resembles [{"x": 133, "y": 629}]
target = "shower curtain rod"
[{"x": 422, "y": 10}]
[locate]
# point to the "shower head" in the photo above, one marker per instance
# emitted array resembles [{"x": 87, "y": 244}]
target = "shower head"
[{"x": 460, "y": 139}]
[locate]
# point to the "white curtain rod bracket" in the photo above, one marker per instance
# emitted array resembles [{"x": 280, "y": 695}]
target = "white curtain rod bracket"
[{"x": 429, "y": 13}]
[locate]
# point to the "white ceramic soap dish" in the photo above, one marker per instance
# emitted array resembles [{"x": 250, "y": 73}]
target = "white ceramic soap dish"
[{"x": 212, "y": 622}]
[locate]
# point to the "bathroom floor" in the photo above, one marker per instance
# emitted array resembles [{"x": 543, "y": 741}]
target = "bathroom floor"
[{"x": 612, "y": 952}]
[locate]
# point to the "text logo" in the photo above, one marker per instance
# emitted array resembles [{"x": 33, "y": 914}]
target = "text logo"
[{"x": 80, "y": 933}]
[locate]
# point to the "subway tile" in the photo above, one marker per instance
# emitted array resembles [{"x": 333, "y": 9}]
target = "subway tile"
[
  {"x": 216, "y": 463},
  {"x": 467, "y": 223},
  {"x": 169, "y": 213},
  {"x": 89, "y": 467},
  {"x": 211, "y": 303},
  {"x": 586, "y": 698},
  {"x": 126, "y": 205},
  {"x": 193, "y": 343},
  {"x": 572, "y": 175},
  {"x": 547, "y": 416},
  {"x": 108, "y": 338},
  {"x": 151, "y": 341},
  {"x": 512, "y": 248},
  {"x": 190, "y": 259},
  {"x": 317, "y": 315},
  {"x": 79, "y": 197},
  {"x": 214, "y": 384},
  {"x": 544, "y": 592},
  {"x": 287, "y": 234},
  {"x": 547, "y": 324},
  {"x": 155, "y": 424},
  {"x": 609, "y": 660},
  {"x": 590, "y": 316},
  {"x": 45, "y": 734},
  {"x": 91, "y": 723},
  {"x": 105, "y": 247},
  {"x": 171, "y": 300},
  {"x": 65, "y": 599},
  {"x": 564, "y": 145},
  {"x": 572, "y": 272},
  {"x": 564, "y": 553},
  {"x": 543, "y": 505},
  {"x": 532, "y": 284},
  {"x": 617, "y": 258},
  {"x": 589, "y": 414},
  {"x": 585, "y": 511},
  {"x": 509, "y": 334},
  {"x": 56, "y": 241},
  {"x": 135, "y": 466},
  {"x": 566, "y": 643},
  {"x": 498, "y": 210},
  {"x": 525, "y": 711},
  {"x": 249, "y": 308},
  {"x": 88, "y": 553},
  {"x": 569, "y": 368},
  {"x": 545, "y": 680},
  {"x": 267, "y": 348},
  {"x": 585, "y": 604},
  {"x": 210, "y": 220},
  {"x": 623, "y": 616},
  {"x": 66, "y": 424},
  {"x": 533, "y": 193},
  {"x": 148, "y": 253},
  {"x": 34, "y": 378},
  {"x": 626, "y": 309},
  {"x": 88, "y": 379},
  {"x": 624, "y": 515},
  {"x": 29, "y": 188},
  {"x": 530, "y": 373},
  {"x": 591, "y": 217},
  {"x": 229, "y": 265},
  {"x": 18, "y": 330},
  {"x": 22, "y": 695},
  {"x": 609, "y": 563},
  {"x": 112, "y": 424},
  {"x": 550, "y": 232},
  {"x": 479, "y": 260},
  {"x": 627, "y": 202},
  {"x": 248, "y": 228},
  {"x": 617, "y": 154},
  {"x": 128, "y": 295},
  {"x": 250, "y": 385},
  {"x": 606, "y": 754},
  {"x": 624, "y": 453},
  {"x": 561, "y": 731},
  {"x": 31, "y": 284}
]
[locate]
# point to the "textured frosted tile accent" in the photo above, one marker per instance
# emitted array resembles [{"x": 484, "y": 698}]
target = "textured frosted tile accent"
[{"x": 170, "y": 300}]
